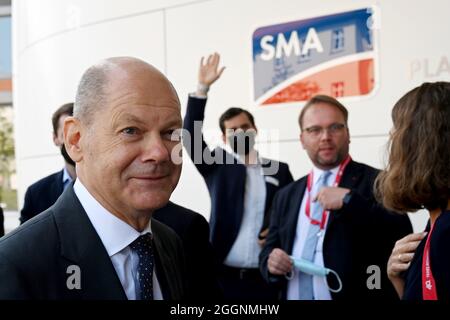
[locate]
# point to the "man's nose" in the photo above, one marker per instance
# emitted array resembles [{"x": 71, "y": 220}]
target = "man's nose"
[
  {"x": 325, "y": 134},
  {"x": 155, "y": 150}
]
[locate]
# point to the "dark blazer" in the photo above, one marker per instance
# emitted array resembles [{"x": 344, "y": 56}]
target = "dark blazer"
[
  {"x": 35, "y": 257},
  {"x": 226, "y": 182},
  {"x": 193, "y": 229},
  {"x": 439, "y": 261},
  {"x": 41, "y": 195},
  {"x": 360, "y": 234},
  {"x": 2, "y": 228}
]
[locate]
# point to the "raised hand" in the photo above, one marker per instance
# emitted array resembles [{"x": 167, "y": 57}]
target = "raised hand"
[{"x": 209, "y": 71}]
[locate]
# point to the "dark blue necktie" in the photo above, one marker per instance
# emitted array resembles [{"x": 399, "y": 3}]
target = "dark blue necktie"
[{"x": 142, "y": 246}]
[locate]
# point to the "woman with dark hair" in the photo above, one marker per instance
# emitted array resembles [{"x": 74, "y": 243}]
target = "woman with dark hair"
[{"x": 417, "y": 177}]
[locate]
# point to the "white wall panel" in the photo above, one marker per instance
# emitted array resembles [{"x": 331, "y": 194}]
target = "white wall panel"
[
  {"x": 44, "y": 18},
  {"x": 34, "y": 169}
]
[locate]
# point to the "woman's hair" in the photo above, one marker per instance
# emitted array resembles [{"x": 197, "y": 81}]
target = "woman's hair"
[{"x": 418, "y": 171}]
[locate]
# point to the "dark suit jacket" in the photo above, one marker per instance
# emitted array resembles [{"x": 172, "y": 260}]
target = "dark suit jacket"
[
  {"x": 226, "y": 182},
  {"x": 2, "y": 228},
  {"x": 193, "y": 229},
  {"x": 35, "y": 257},
  {"x": 41, "y": 195},
  {"x": 360, "y": 234}
]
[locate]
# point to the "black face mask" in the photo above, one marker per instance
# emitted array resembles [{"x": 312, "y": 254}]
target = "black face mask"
[
  {"x": 242, "y": 142},
  {"x": 66, "y": 156}
]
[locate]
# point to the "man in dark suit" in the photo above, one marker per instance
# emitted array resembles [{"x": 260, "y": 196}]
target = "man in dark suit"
[
  {"x": 98, "y": 240},
  {"x": 337, "y": 225},
  {"x": 193, "y": 230},
  {"x": 43, "y": 193},
  {"x": 241, "y": 185}
]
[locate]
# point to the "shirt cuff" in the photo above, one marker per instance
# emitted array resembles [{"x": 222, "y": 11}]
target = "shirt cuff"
[{"x": 194, "y": 95}]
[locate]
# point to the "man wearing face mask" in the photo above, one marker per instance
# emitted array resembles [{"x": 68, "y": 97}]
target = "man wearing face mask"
[
  {"x": 42, "y": 194},
  {"x": 241, "y": 185}
]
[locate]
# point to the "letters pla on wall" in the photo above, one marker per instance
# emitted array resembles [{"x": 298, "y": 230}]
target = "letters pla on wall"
[{"x": 331, "y": 55}]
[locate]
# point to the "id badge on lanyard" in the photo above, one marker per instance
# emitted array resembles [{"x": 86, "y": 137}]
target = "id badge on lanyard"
[
  {"x": 428, "y": 284},
  {"x": 310, "y": 180}
]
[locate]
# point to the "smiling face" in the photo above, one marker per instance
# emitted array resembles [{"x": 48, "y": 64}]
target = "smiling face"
[
  {"x": 124, "y": 154},
  {"x": 330, "y": 147}
]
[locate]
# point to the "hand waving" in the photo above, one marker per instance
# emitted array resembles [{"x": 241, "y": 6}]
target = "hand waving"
[{"x": 209, "y": 72}]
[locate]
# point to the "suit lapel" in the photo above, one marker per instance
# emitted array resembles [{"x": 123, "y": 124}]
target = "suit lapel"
[
  {"x": 81, "y": 246},
  {"x": 166, "y": 268},
  {"x": 350, "y": 179},
  {"x": 340, "y": 261},
  {"x": 351, "y": 175},
  {"x": 161, "y": 264}
]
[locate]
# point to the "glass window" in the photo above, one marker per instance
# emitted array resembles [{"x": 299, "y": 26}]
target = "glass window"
[{"x": 337, "y": 40}]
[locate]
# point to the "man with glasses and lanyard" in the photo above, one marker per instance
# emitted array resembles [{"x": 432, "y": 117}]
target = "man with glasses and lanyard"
[{"x": 330, "y": 220}]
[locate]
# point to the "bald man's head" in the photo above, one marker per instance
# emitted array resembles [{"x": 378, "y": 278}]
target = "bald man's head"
[
  {"x": 103, "y": 78},
  {"x": 123, "y": 135}
]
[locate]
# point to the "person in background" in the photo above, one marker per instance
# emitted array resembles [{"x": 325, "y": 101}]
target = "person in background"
[
  {"x": 330, "y": 219},
  {"x": 418, "y": 177},
  {"x": 241, "y": 184},
  {"x": 42, "y": 194}
]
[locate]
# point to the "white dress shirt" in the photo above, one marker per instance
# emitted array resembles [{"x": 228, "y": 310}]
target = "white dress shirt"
[
  {"x": 320, "y": 287},
  {"x": 116, "y": 235},
  {"x": 245, "y": 250}
]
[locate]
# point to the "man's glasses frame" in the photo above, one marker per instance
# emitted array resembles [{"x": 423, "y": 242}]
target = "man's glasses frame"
[{"x": 333, "y": 129}]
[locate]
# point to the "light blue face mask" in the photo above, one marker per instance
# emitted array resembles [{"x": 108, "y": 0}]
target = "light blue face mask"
[{"x": 308, "y": 267}]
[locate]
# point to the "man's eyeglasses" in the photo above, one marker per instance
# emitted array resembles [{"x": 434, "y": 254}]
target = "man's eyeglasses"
[{"x": 316, "y": 131}]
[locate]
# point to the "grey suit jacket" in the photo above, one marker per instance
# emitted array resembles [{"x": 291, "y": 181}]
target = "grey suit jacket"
[{"x": 37, "y": 259}]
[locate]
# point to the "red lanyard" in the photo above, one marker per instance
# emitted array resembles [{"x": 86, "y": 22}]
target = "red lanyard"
[
  {"x": 335, "y": 184},
  {"x": 428, "y": 284}
]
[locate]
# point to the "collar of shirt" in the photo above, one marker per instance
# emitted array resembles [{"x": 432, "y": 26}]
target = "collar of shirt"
[
  {"x": 318, "y": 172},
  {"x": 66, "y": 176},
  {"x": 114, "y": 233},
  {"x": 195, "y": 95}
]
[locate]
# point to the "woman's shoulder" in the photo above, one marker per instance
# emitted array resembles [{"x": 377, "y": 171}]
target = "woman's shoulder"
[{"x": 442, "y": 227}]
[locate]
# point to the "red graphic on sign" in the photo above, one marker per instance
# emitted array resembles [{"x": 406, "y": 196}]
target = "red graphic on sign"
[{"x": 349, "y": 79}]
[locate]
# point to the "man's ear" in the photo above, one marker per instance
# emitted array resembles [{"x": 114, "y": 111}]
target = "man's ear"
[
  {"x": 72, "y": 138},
  {"x": 56, "y": 140},
  {"x": 224, "y": 138}
]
